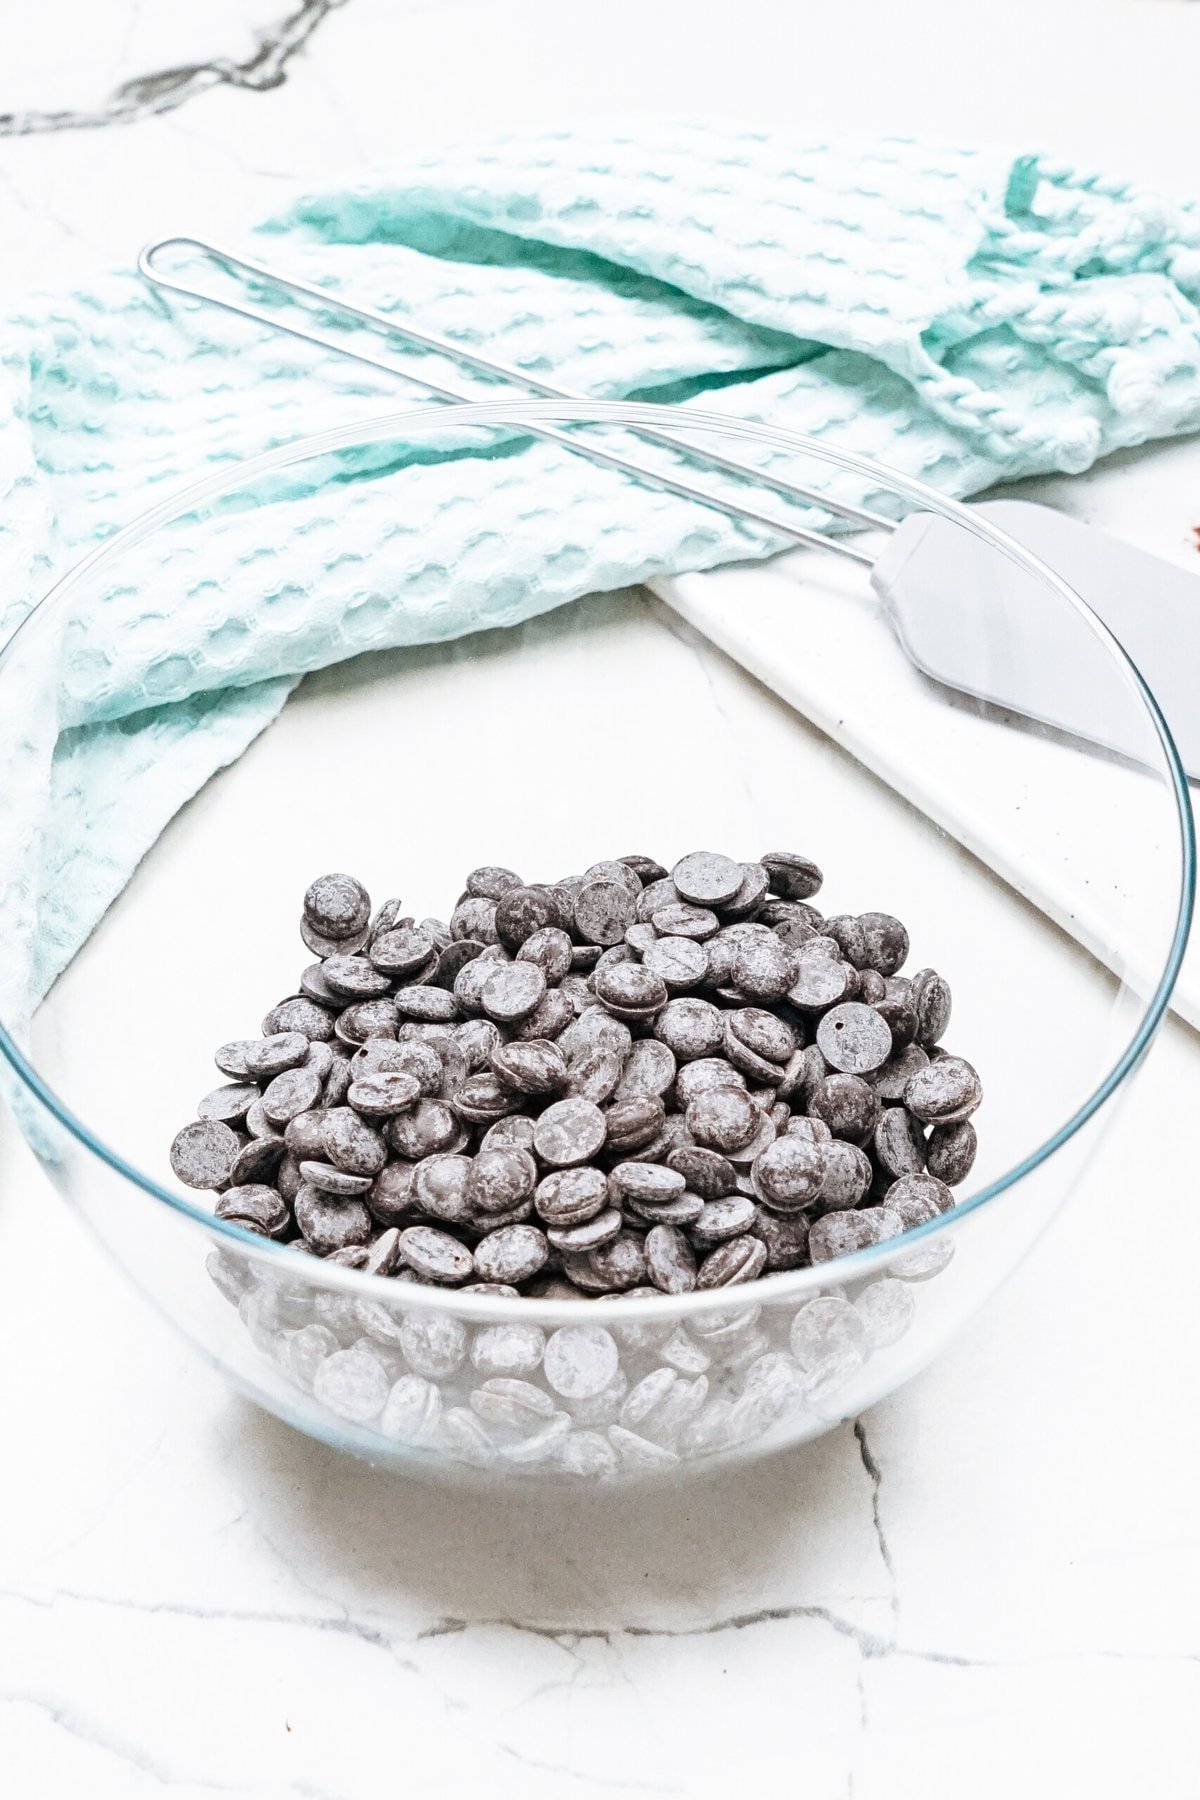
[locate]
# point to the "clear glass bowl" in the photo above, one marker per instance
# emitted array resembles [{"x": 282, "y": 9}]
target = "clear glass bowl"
[{"x": 545, "y": 747}]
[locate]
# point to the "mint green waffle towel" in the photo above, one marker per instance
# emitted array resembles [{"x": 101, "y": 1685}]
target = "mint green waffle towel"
[{"x": 965, "y": 316}]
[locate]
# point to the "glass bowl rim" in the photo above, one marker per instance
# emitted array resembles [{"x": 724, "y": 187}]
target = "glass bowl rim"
[{"x": 620, "y": 1308}]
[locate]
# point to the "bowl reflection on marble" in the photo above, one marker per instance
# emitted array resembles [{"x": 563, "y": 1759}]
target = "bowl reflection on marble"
[{"x": 604, "y": 724}]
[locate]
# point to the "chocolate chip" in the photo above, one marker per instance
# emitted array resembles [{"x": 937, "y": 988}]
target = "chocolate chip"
[
  {"x": 228, "y": 1105},
  {"x": 900, "y": 1142},
  {"x": 352, "y": 1144},
  {"x": 595, "y": 1075},
  {"x": 330, "y": 1224},
  {"x": 950, "y": 1152},
  {"x": 512, "y": 1133},
  {"x": 428, "y": 1005},
  {"x": 569, "y": 1132},
  {"x": 481, "y": 1098},
  {"x": 644, "y": 867},
  {"x": 231, "y": 1058},
  {"x": 257, "y": 1122},
  {"x": 569, "y": 1197},
  {"x": 353, "y": 978},
  {"x": 203, "y": 1154},
  {"x": 337, "y": 906},
  {"x": 763, "y": 967},
  {"x": 645, "y": 1181},
  {"x": 702, "y": 1076},
  {"x": 272, "y": 1055},
  {"x": 706, "y": 878},
  {"x": 580, "y": 1361},
  {"x": 451, "y": 962},
  {"x": 918, "y": 1198},
  {"x": 848, "y": 934},
  {"x": 399, "y": 953},
  {"x": 367, "y": 1019},
  {"x": 872, "y": 988},
  {"x": 512, "y": 991},
  {"x": 589, "y": 1234},
  {"x": 821, "y": 982},
  {"x": 848, "y": 1106},
  {"x": 257, "y": 1161},
  {"x": 551, "y": 949},
  {"x": 633, "y": 1120},
  {"x": 436, "y": 1255},
  {"x": 886, "y": 941},
  {"x": 422, "y": 1062},
  {"x": 854, "y": 1038},
  {"x": 391, "y": 1196},
  {"x": 649, "y": 1070},
  {"x": 549, "y": 1019},
  {"x": 944, "y": 1093},
  {"x": 691, "y": 1028},
  {"x": 320, "y": 1059},
  {"x": 513, "y": 1254},
  {"x": 620, "y": 1264},
  {"x": 500, "y": 1180},
  {"x": 788, "y": 1175},
  {"x": 931, "y": 999},
  {"x": 290, "y": 1094},
  {"x": 614, "y": 869},
  {"x": 653, "y": 897},
  {"x": 383, "y": 1093},
  {"x": 685, "y": 1209},
  {"x": 752, "y": 891},
  {"x": 786, "y": 1238},
  {"x": 679, "y": 919},
  {"x": 330, "y": 1180},
  {"x": 288, "y": 1178},
  {"x": 428, "y": 1129},
  {"x": 670, "y": 1260},
  {"x": 603, "y": 909},
  {"x": 768, "y": 1036},
  {"x": 842, "y": 1233},
  {"x": 722, "y": 1219},
  {"x": 386, "y": 916},
  {"x": 629, "y": 988},
  {"x": 441, "y": 1188},
  {"x": 491, "y": 881},
  {"x": 741, "y": 1259},
  {"x": 705, "y": 1172},
  {"x": 723, "y": 1119},
  {"x": 891, "y": 1080},
  {"x": 847, "y": 1177},
  {"x": 533, "y": 1067},
  {"x": 303, "y": 1015},
  {"x": 794, "y": 877},
  {"x": 322, "y": 946},
  {"x": 900, "y": 1016},
  {"x": 679, "y": 962},
  {"x": 520, "y": 911},
  {"x": 255, "y": 1204}
]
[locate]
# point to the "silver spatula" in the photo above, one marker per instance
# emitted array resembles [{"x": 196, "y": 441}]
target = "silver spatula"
[
  {"x": 931, "y": 573},
  {"x": 934, "y": 577}
]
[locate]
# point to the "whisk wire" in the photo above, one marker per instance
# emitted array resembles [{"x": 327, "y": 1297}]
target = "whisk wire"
[{"x": 312, "y": 294}]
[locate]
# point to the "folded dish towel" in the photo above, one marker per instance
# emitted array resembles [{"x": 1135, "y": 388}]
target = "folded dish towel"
[{"x": 964, "y": 316}]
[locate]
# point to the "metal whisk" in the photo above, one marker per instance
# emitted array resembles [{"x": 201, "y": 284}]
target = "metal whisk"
[
  {"x": 925, "y": 565},
  {"x": 683, "y": 449}
]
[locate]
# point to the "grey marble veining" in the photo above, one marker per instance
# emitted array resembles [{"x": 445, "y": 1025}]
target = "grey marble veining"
[{"x": 162, "y": 90}]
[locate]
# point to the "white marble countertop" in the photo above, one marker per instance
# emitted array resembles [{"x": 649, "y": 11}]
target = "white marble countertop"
[{"x": 989, "y": 1585}]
